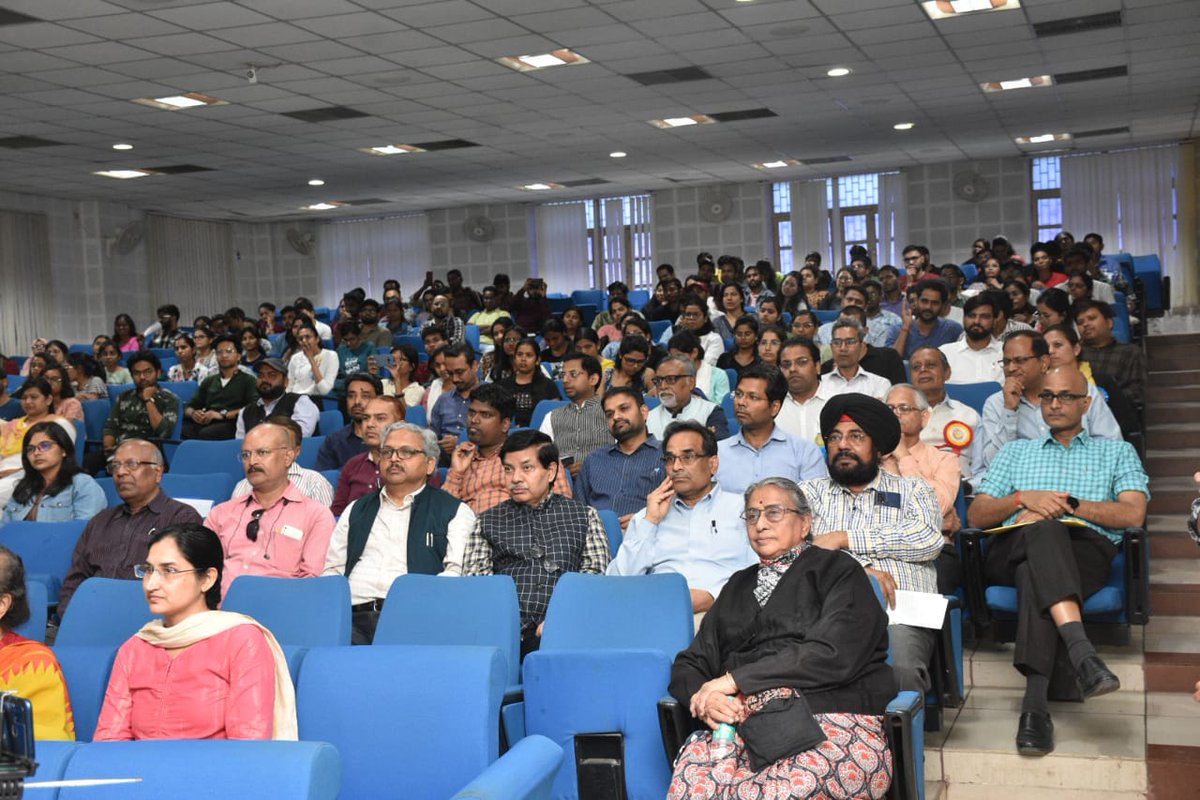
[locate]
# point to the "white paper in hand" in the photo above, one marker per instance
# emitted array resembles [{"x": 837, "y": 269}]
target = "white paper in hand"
[
  {"x": 202, "y": 506},
  {"x": 918, "y": 609}
]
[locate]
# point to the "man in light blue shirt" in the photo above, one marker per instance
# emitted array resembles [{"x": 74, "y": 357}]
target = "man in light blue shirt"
[
  {"x": 762, "y": 449},
  {"x": 1015, "y": 412},
  {"x": 690, "y": 525}
]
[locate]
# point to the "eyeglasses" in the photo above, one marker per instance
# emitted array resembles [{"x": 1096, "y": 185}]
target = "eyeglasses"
[
  {"x": 1063, "y": 398},
  {"x": 844, "y": 342},
  {"x": 911, "y": 258},
  {"x": 772, "y": 513},
  {"x": 260, "y": 453},
  {"x": 856, "y": 437},
  {"x": 573, "y": 374},
  {"x": 226, "y": 351},
  {"x": 902, "y": 408},
  {"x": 167, "y": 573},
  {"x": 738, "y": 394},
  {"x": 668, "y": 380},
  {"x": 633, "y": 362},
  {"x": 40, "y": 447},
  {"x": 688, "y": 458},
  {"x": 252, "y": 525},
  {"x": 402, "y": 453},
  {"x": 53, "y": 378},
  {"x": 1020, "y": 361},
  {"x": 129, "y": 465}
]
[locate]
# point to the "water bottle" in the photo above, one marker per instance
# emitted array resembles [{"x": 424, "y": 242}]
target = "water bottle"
[{"x": 722, "y": 741}]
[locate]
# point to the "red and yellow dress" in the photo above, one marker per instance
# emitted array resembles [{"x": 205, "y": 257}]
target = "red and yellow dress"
[{"x": 30, "y": 669}]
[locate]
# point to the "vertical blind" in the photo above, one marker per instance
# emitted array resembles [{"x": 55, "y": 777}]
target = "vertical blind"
[
  {"x": 562, "y": 246},
  {"x": 26, "y": 298},
  {"x": 367, "y": 252},
  {"x": 191, "y": 264}
]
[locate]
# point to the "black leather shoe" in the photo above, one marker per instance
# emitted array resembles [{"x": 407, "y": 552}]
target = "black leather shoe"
[
  {"x": 1095, "y": 678},
  {"x": 1035, "y": 734}
]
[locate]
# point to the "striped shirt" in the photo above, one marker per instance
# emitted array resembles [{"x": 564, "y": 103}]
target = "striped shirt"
[
  {"x": 578, "y": 429},
  {"x": 483, "y": 485},
  {"x": 311, "y": 484},
  {"x": 1092, "y": 468},
  {"x": 894, "y": 525}
]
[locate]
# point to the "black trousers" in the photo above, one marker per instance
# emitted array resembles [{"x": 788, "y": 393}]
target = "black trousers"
[
  {"x": 363, "y": 623},
  {"x": 1047, "y": 562},
  {"x": 221, "y": 429}
]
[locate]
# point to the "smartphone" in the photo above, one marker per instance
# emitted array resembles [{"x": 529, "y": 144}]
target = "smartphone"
[
  {"x": 429, "y": 276},
  {"x": 385, "y": 360},
  {"x": 16, "y": 732}
]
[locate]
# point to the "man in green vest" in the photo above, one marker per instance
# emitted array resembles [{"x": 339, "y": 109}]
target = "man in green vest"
[{"x": 405, "y": 526}]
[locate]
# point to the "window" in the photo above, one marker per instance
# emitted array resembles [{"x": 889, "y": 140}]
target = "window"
[
  {"x": 853, "y": 209},
  {"x": 618, "y": 230},
  {"x": 857, "y": 204},
  {"x": 781, "y": 226},
  {"x": 1047, "y": 197}
]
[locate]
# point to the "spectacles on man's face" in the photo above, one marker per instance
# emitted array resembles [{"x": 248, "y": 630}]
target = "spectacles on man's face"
[
  {"x": 772, "y": 513},
  {"x": 1062, "y": 398},
  {"x": 401, "y": 453},
  {"x": 260, "y": 453},
  {"x": 129, "y": 465},
  {"x": 843, "y": 342},
  {"x": 902, "y": 408},
  {"x": 667, "y": 380},
  {"x": 226, "y": 351},
  {"x": 167, "y": 573},
  {"x": 687, "y": 457},
  {"x": 1020, "y": 361},
  {"x": 854, "y": 437}
]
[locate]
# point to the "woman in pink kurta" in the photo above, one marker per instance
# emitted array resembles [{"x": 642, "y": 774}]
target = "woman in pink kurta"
[{"x": 198, "y": 673}]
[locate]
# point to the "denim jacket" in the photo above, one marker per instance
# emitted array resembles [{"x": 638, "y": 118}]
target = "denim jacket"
[{"x": 83, "y": 499}]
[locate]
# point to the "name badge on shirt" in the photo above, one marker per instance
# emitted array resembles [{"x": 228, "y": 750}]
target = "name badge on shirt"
[
  {"x": 887, "y": 499},
  {"x": 293, "y": 532}
]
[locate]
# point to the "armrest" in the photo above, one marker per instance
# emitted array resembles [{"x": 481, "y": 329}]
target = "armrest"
[
  {"x": 904, "y": 722},
  {"x": 526, "y": 772},
  {"x": 677, "y": 724},
  {"x": 1136, "y": 545},
  {"x": 512, "y": 723},
  {"x": 970, "y": 545},
  {"x": 948, "y": 655}
]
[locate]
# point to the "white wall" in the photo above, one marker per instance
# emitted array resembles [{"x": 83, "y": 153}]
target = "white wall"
[{"x": 680, "y": 232}]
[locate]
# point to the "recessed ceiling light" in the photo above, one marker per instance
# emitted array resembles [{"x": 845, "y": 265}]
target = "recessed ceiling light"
[
  {"x": 541, "y": 186},
  {"x": 1033, "y": 82},
  {"x": 617, "y": 154},
  {"x": 903, "y": 126},
  {"x": 945, "y": 9},
  {"x": 838, "y": 72},
  {"x": 124, "y": 174},
  {"x": 392, "y": 149},
  {"x": 122, "y": 146},
  {"x": 1043, "y": 138},
  {"x": 555, "y": 58},
  {"x": 778, "y": 164},
  {"x": 316, "y": 182},
  {"x": 323, "y": 206},
  {"x": 178, "y": 102},
  {"x": 681, "y": 122}
]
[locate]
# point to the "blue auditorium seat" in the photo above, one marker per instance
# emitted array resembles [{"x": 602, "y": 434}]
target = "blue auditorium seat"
[{"x": 300, "y": 612}]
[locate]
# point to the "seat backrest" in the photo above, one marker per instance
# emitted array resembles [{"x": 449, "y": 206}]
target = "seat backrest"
[
  {"x": 184, "y": 390},
  {"x": 104, "y": 611},
  {"x": 80, "y": 439},
  {"x": 302, "y": 612},
  {"x": 478, "y": 610},
  {"x": 45, "y": 547},
  {"x": 86, "y": 669},
  {"x": 215, "y": 486},
  {"x": 612, "y": 528},
  {"x": 727, "y": 406},
  {"x": 329, "y": 422},
  {"x": 597, "y": 612},
  {"x": 972, "y": 394},
  {"x": 416, "y": 415},
  {"x": 543, "y": 408},
  {"x": 202, "y": 457},
  {"x": 1122, "y": 330},
  {"x": 825, "y": 315},
  {"x": 309, "y": 448},
  {"x": 657, "y": 328},
  {"x": 116, "y": 389},
  {"x": 595, "y": 297},
  {"x": 95, "y": 414},
  {"x": 109, "y": 486},
  {"x": 206, "y": 768},
  {"x": 35, "y": 627},
  {"x": 409, "y": 721}
]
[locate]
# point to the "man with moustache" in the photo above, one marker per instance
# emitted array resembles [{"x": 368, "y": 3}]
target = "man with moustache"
[
  {"x": 891, "y": 524},
  {"x": 689, "y": 525},
  {"x": 274, "y": 400},
  {"x": 311, "y": 483},
  {"x": 537, "y": 534},
  {"x": 361, "y": 474},
  {"x": 929, "y": 327},
  {"x": 619, "y": 477},
  {"x": 404, "y": 527},
  {"x": 346, "y": 442},
  {"x": 675, "y": 380},
  {"x": 976, "y": 356}
]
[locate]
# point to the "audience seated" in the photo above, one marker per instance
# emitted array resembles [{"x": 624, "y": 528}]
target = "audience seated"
[
  {"x": 890, "y": 524},
  {"x": 690, "y": 524},
  {"x": 953, "y": 426},
  {"x": 233, "y": 682},
  {"x": 809, "y": 724},
  {"x": 848, "y": 374},
  {"x": 529, "y": 307},
  {"x": 1069, "y": 495},
  {"x": 36, "y": 399},
  {"x": 312, "y": 369},
  {"x": 579, "y": 427},
  {"x": 310, "y": 483},
  {"x": 362, "y": 473},
  {"x": 28, "y": 667},
  {"x": 529, "y": 384},
  {"x": 273, "y": 400},
  {"x": 761, "y": 448},
  {"x": 275, "y": 530},
  {"x": 620, "y": 477},
  {"x": 975, "y": 357},
  {"x": 477, "y": 474},
  {"x": 52, "y": 488},
  {"x": 346, "y": 442},
  {"x": 1122, "y": 365},
  {"x": 693, "y": 316},
  {"x": 928, "y": 327},
  {"x": 371, "y": 332},
  {"x": 487, "y": 316},
  {"x": 145, "y": 411},
  {"x": 882, "y": 361},
  {"x": 799, "y": 414},
  {"x": 213, "y": 410},
  {"x": 537, "y": 534},
  {"x": 710, "y": 380},
  {"x": 675, "y": 380},
  {"x": 405, "y": 526},
  {"x": 448, "y": 416}
]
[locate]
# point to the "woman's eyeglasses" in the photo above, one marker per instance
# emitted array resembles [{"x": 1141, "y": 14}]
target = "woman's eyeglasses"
[
  {"x": 40, "y": 447},
  {"x": 167, "y": 573}
]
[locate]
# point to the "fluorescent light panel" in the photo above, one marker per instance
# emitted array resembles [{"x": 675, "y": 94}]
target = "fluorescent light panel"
[
  {"x": 325, "y": 206},
  {"x": 1043, "y": 138},
  {"x": 1033, "y": 82},
  {"x": 948, "y": 9},
  {"x": 392, "y": 149},
  {"x": 123, "y": 174},
  {"x": 778, "y": 164},
  {"x": 540, "y": 186},
  {"x": 682, "y": 122},
  {"x": 179, "y": 102},
  {"x": 533, "y": 61}
]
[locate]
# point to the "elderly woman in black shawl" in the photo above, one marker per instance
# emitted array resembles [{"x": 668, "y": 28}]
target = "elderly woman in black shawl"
[{"x": 793, "y": 653}]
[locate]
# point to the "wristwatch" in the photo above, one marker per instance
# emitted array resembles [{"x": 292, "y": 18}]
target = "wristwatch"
[{"x": 1073, "y": 502}]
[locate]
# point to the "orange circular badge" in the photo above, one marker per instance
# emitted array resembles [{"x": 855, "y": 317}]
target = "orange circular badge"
[{"x": 958, "y": 434}]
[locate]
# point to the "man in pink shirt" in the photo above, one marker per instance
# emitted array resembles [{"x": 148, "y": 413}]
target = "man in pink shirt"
[{"x": 275, "y": 530}]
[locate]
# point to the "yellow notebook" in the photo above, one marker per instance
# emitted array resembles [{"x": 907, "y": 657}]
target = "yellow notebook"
[{"x": 1064, "y": 520}]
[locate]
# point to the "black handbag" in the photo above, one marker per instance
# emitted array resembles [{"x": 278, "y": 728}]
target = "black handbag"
[{"x": 785, "y": 726}]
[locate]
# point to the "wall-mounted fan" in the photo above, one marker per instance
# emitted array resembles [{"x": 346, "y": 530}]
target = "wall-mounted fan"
[
  {"x": 715, "y": 206},
  {"x": 302, "y": 242},
  {"x": 970, "y": 186},
  {"x": 479, "y": 228},
  {"x": 126, "y": 238}
]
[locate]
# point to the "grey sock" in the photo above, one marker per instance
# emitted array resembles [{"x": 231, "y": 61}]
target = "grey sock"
[
  {"x": 1078, "y": 645},
  {"x": 1037, "y": 687}
]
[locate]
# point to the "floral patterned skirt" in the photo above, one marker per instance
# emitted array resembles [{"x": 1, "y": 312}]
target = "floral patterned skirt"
[{"x": 854, "y": 761}]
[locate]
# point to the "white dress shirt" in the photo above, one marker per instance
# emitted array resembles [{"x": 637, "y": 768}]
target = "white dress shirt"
[
  {"x": 300, "y": 375},
  {"x": 941, "y": 415},
  {"x": 974, "y": 366},
  {"x": 802, "y": 420},
  {"x": 868, "y": 383}
]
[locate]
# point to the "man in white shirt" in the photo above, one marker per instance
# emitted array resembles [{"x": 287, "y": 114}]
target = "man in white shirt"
[
  {"x": 975, "y": 357},
  {"x": 847, "y": 376},
  {"x": 952, "y": 426},
  {"x": 800, "y": 414},
  {"x": 406, "y": 526},
  {"x": 675, "y": 380}
]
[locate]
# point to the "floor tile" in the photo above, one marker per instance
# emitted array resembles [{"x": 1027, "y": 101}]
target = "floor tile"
[
  {"x": 1174, "y": 570},
  {"x": 1009, "y": 700},
  {"x": 1172, "y": 704},
  {"x": 1113, "y": 735},
  {"x": 1173, "y": 731}
]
